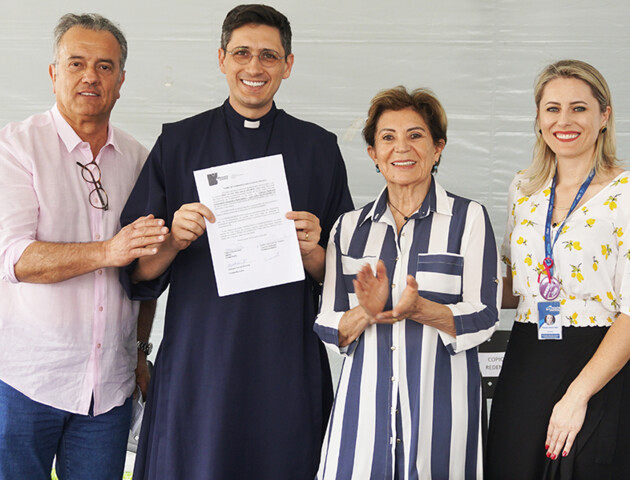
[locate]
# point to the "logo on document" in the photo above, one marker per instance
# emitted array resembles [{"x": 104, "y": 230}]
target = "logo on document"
[{"x": 213, "y": 178}]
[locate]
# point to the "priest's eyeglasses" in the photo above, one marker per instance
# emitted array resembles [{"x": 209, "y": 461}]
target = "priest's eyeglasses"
[
  {"x": 267, "y": 58},
  {"x": 91, "y": 173}
]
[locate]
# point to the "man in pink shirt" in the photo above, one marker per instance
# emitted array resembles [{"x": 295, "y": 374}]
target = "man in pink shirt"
[{"x": 68, "y": 345}]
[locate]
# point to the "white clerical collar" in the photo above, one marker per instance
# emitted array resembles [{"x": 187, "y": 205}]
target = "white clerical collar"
[{"x": 251, "y": 124}]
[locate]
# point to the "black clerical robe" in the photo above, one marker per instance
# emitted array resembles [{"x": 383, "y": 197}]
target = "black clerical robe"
[{"x": 241, "y": 387}]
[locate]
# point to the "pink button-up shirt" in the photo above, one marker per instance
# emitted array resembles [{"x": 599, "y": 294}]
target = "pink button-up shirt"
[{"x": 61, "y": 342}]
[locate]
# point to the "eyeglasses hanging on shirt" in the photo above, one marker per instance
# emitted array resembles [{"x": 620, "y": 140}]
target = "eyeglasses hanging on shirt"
[{"x": 91, "y": 173}]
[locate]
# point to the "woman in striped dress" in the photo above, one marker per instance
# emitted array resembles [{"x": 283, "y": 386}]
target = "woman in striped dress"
[{"x": 408, "y": 404}]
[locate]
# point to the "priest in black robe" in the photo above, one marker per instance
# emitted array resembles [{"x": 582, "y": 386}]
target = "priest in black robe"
[{"x": 241, "y": 388}]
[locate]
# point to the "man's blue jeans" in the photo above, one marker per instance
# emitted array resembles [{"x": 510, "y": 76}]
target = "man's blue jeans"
[{"x": 86, "y": 446}]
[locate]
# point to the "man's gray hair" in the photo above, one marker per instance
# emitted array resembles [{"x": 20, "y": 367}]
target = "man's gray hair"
[{"x": 90, "y": 21}]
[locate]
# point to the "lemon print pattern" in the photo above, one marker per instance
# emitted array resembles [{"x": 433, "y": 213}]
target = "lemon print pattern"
[{"x": 591, "y": 255}]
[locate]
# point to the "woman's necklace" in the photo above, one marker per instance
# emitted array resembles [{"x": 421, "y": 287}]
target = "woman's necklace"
[
  {"x": 548, "y": 284},
  {"x": 555, "y": 224},
  {"x": 406, "y": 217},
  {"x": 559, "y": 209}
]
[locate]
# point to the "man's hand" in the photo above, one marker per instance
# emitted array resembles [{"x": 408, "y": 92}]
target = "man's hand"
[
  {"x": 308, "y": 231},
  {"x": 138, "y": 239},
  {"x": 146, "y": 313},
  {"x": 189, "y": 224},
  {"x": 50, "y": 262},
  {"x": 143, "y": 376}
]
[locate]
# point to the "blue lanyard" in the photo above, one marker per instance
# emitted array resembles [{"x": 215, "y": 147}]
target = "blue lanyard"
[{"x": 548, "y": 261}]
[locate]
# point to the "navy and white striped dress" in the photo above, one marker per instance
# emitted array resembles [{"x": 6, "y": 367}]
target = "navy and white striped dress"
[{"x": 408, "y": 403}]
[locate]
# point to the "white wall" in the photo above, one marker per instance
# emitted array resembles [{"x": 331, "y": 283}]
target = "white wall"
[{"x": 480, "y": 57}]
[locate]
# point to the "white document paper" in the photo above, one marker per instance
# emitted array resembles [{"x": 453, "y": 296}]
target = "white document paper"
[
  {"x": 137, "y": 412},
  {"x": 253, "y": 244}
]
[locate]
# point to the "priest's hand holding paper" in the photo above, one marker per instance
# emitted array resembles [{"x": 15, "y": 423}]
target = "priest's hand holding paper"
[
  {"x": 308, "y": 232},
  {"x": 188, "y": 225}
]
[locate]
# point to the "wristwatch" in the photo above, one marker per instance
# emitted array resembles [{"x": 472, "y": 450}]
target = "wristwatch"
[{"x": 146, "y": 347}]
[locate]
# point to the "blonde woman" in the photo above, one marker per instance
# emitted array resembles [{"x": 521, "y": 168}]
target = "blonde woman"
[{"x": 557, "y": 411}]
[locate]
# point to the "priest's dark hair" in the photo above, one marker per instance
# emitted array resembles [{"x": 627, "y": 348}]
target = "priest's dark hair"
[{"x": 257, "y": 14}]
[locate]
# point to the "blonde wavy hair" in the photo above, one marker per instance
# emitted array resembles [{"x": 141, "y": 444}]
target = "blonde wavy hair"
[{"x": 543, "y": 166}]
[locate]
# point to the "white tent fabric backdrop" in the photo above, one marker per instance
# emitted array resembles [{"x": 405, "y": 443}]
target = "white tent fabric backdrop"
[{"x": 479, "y": 56}]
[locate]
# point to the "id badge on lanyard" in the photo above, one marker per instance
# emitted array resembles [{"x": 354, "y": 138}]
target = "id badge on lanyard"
[{"x": 549, "y": 322}]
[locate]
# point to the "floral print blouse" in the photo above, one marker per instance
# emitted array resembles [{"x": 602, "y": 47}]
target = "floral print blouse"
[{"x": 591, "y": 256}]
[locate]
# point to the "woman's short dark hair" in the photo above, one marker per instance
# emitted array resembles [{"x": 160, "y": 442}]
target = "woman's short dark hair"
[
  {"x": 422, "y": 100},
  {"x": 257, "y": 14}
]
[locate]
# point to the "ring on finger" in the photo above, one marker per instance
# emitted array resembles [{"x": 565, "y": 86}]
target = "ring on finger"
[{"x": 306, "y": 238}]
